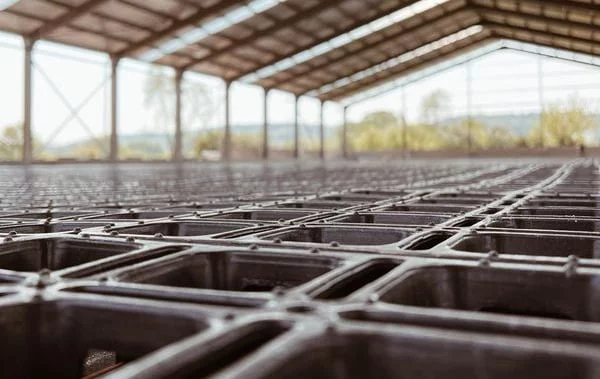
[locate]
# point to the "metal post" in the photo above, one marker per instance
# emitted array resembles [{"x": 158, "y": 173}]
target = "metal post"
[
  {"x": 345, "y": 133},
  {"x": 541, "y": 99},
  {"x": 404, "y": 124},
  {"x": 322, "y": 131},
  {"x": 27, "y": 104},
  {"x": 227, "y": 137},
  {"x": 296, "y": 128},
  {"x": 469, "y": 107},
  {"x": 178, "y": 149},
  {"x": 265, "y": 149},
  {"x": 114, "y": 104}
]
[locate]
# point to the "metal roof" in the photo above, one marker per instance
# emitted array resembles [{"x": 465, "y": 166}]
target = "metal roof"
[{"x": 331, "y": 49}]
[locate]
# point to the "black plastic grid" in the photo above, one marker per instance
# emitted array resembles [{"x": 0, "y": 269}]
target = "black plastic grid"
[{"x": 481, "y": 269}]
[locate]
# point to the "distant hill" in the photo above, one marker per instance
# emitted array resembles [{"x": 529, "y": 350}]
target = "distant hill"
[
  {"x": 283, "y": 133},
  {"x": 161, "y": 142},
  {"x": 518, "y": 124}
]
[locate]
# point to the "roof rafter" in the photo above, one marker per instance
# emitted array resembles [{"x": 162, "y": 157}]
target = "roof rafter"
[
  {"x": 319, "y": 41},
  {"x": 547, "y": 34},
  {"x": 562, "y": 4},
  {"x": 517, "y": 39},
  {"x": 423, "y": 44},
  {"x": 432, "y": 57},
  {"x": 66, "y": 18},
  {"x": 194, "y": 18},
  {"x": 322, "y": 6},
  {"x": 553, "y": 35},
  {"x": 366, "y": 47},
  {"x": 528, "y": 18}
]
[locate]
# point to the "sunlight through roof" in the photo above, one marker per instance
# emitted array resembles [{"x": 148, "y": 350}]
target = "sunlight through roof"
[
  {"x": 403, "y": 58},
  {"x": 209, "y": 28},
  {"x": 343, "y": 39}
]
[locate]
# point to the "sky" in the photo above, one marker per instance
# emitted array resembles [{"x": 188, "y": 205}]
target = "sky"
[{"x": 502, "y": 82}]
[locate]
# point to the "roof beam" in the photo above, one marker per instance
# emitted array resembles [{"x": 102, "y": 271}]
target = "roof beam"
[
  {"x": 537, "y": 38},
  {"x": 416, "y": 47},
  {"x": 193, "y": 19},
  {"x": 518, "y": 39},
  {"x": 319, "y": 41},
  {"x": 562, "y": 4},
  {"x": 444, "y": 53},
  {"x": 528, "y": 17},
  {"x": 543, "y": 33},
  {"x": 281, "y": 24},
  {"x": 426, "y": 24},
  {"x": 66, "y": 18}
]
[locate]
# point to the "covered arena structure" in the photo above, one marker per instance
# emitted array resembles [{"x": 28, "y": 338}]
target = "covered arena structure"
[{"x": 334, "y": 50}]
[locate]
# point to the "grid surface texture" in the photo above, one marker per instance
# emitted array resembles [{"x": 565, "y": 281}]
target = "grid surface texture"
[{"x": 458, "y": 269}]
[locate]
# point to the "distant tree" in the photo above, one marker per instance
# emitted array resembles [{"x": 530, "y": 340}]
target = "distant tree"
[
  {"x": 159, "y": 99},
  {"x": 424, "y": 137},
  {"x": 457, "y": 135},
  {"x": 249, "y": 143},
  {"x": 501, "y": 138},
  {"x": 210, "y": 140},
  {"x": 11, "y": 143},
  {"x": 370, "y": 138},
  {"x": 380, "y": 119},
  {"x": 143, "y": 149},
  {"x": 198, "y": 104},
  {"x": 373, "y": 131},
  {"x": 565, "y": 125},
  {"x": 91, "y": 149},
  {"x": 434, "y": 107}
]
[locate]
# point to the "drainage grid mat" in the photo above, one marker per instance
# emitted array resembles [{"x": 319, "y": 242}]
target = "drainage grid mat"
[{"x": 457, "y": 269}]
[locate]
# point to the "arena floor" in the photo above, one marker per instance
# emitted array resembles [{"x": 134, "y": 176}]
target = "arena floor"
[{"x": 421, "y": 269}]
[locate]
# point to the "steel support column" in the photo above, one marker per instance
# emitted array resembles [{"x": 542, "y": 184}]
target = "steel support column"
[
  {"x": 296, "y": 128},
  {"x": 27, "y": 103},
  {"x": 114, "y": 107},
  {"x": 404, "y": 125},
  {"x": 265, "y": 142},
  {"x": 322, "y": 131},
  {"x": 541, "y": 99},
  {"x": 226, "y": 147},
  {"x": 345, "y": 133},
  {"x": 469, "y": 108},
  {"x": 178, "y": 148}
]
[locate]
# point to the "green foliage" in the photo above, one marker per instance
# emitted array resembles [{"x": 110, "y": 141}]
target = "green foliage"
[
  {"x": 562, "y": 125},
  {"x": 565, "y": 125},
  {"x": 366, "y": 137},
  {"x": 249, "y": 144},
  {"x": 210, "y": 140},
  {"x": 11, "y": 143},
  {"x": 458, "y": 135},
  {"x": 143, "y": 150},
  {"x": 423, "y": 137},
  {"x": 92, "y": 149}
]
